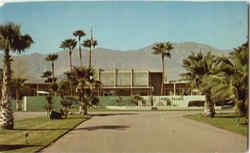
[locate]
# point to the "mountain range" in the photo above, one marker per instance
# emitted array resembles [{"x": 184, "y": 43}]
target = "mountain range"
[{"x": 33, "y": 65}]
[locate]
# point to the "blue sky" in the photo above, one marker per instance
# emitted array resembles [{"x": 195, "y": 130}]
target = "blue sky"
[{"x": 130, "y": 25}]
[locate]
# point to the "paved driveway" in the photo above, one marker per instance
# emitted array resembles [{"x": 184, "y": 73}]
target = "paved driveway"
[{"x": 134, "y": 132}]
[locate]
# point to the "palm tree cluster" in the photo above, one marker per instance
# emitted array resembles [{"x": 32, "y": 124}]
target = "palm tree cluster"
[
  {"x": 84, "y": 82},
  {"x": 71, "y": 43},
  {"x": 11, "y": 39},
  {"x": 220, "y": 78}
]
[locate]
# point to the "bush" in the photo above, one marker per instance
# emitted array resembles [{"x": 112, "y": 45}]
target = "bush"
[
  {"x": 67, "y": 103},
  {"x": 119, "y": 100},
  {"x": 196, "y": 103}
]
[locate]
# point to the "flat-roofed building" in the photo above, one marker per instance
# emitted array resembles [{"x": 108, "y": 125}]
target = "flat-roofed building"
[{"x": 126, "y": 82}]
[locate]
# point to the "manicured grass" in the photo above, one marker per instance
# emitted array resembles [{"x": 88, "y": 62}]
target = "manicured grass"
[
  {"x": 41, "y": 132},
  {"x": 36, "y": 103},
  {"x": 228, "y": 121}
]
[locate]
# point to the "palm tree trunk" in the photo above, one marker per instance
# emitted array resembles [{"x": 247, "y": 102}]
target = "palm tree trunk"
[
  {"x": 90, "y": 54},
  {"x": 85, "y": 109},
  {"x": 53, "y": 73},
  {"x": 6, "y": 116},
  {"x": 80, "y": 55},
  {"x": 80, "y": 52},
  {"x": 53, "y": 70},
  {"x": 210, "y": 110},
  {"x": 163, "y": 74},
  {"x": 70, "y": 63},
  {"x": 70, "y": 60}
]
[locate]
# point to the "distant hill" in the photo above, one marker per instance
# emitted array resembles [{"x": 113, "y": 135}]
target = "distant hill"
[{"x": 106, "y": 58}]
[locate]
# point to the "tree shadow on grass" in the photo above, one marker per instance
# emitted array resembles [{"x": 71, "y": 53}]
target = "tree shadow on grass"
[
  {"x": 55, "y": 129},
  {"x": 112, "y": 114},
  {"x": 5, "y": 147},
  {"x": 105, "y": 127},
  {"x": 91, "y": 128},
  {"x": 228, "y": 116}
]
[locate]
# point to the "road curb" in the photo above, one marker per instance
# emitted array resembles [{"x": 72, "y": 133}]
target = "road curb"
[{"x": 57, "y": 138}]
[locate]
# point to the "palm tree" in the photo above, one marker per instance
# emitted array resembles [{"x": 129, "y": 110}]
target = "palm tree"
[
  {"x": 63, "y": 45},
  {"x": 70, "y": 44},
  {"x": 11, "y": 39},
  {"x": 164, "y": 49},
  {"x": 199, "y": 67},
  {"x": 47, "y": 75},
  {"x": 89, "y": 44},
  {"x": 63, "y": 86},
  {"x": 52, "y": 58},
  {"x": 231, "y": 81},
  {"x": 18, "y": 84},
  {"x": 79, "y": 34},
  {"x": 84, "y": 81}
]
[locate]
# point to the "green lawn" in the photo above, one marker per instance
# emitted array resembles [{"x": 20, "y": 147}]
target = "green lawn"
[
  {"x": 227, "y": 121},
  {"x": 36, "y": 103},
  {"x": 41, "y": 132}
]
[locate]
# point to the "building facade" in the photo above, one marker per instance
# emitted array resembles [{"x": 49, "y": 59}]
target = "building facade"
[{"x": 128, "y": 82}]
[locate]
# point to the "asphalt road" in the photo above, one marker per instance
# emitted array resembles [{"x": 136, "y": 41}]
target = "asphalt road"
[{"x": 137, "y": 132}]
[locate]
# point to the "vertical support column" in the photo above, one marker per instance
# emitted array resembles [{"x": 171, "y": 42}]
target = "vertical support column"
[
  {"x": 115, "y": 80},
  {"x": 148, "y": 85},
  {"x": 37, "y": 88},
  {"x": 132, "y": 82},
  {"x": 25, "y": 103},
  {"x": 148, "y": 91},
  {"x": 174, "y": 89},
  {"x": 148, "y": 79},
  {"x": 99, "y": 78},
  {"x": 115, "y": 77}
]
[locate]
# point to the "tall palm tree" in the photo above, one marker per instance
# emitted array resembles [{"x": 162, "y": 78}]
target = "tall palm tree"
[
  {"x": 164, "y": 49},
  {"x": 52, "y": 58},
  {"x": 89, "y": 44},
  {"x": 199, "y": 67},
  {"x": 70, "y": 44},
  {"x": 11, "y": 39},
  {"x": 79, "y": 34}
]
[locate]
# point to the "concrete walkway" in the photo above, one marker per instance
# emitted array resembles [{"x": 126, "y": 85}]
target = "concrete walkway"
[{"x": 134, "y": 132}]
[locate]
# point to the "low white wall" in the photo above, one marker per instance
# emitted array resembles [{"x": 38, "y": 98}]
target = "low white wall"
[
  {"x": 157, "y": 107},
  {"x": 181, "y": 101}
]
